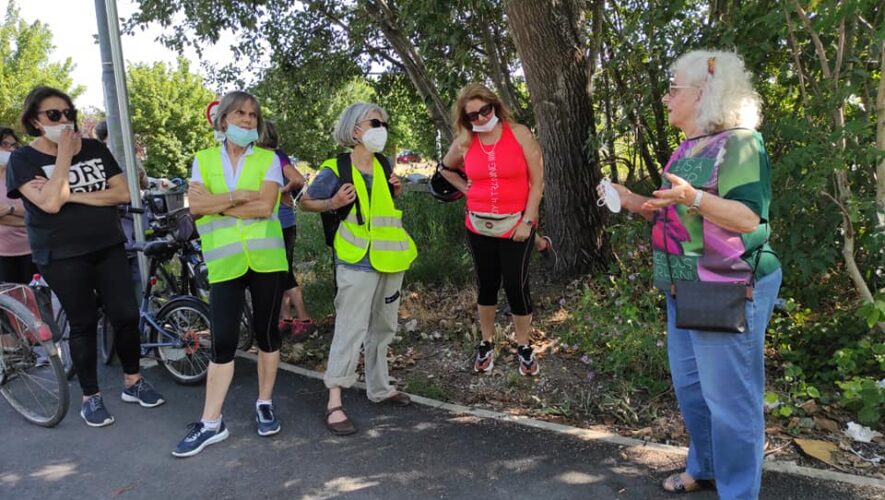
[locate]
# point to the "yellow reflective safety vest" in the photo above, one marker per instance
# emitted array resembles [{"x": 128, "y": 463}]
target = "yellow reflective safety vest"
[
  {"x": 390, "y": 248},
  {"x": 232, "y": 246}
]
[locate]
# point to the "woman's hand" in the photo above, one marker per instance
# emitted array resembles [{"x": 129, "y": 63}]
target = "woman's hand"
[
  {"x": 241, "y": 196},
  {"x": 345, "y": 196},
  {"x": 680, "y": 192},
  {"x": 69, "y": 143},
  {"x": 396, "y": 183},
  {"x": 522, "y": 232}
]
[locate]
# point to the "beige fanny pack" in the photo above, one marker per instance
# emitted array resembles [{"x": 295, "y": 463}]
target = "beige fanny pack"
[{"x": 495, "y": 225}]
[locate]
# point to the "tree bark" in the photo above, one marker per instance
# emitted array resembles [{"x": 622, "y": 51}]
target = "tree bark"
[
  {"x": 880, "y": 144},
  {"x": 548, "y": 35},
  {"x": 386, "y": 20}
]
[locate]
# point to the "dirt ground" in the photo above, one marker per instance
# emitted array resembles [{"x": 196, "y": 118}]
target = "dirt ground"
[{"x": 432, "y": 356}]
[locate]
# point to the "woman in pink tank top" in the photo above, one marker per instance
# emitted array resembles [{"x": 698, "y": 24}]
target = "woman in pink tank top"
[
  {"x": 505, "y": 172},
  {"x": 15, "y": 253}
]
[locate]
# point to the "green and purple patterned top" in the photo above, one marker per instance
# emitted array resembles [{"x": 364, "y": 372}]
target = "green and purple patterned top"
[{"x": 731, "y": 164}]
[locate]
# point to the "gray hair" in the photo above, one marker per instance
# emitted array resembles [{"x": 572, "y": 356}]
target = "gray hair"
[
  {"x": 350, "y": 117},
  {"x": 727, "y": 98},
  {"x": 270, "y": 136},
  {"x": 232, "y": 101}
]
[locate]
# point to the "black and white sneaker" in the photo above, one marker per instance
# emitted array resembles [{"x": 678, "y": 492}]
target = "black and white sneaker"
[
  {"x": 484, "y": 361},
  {"x": 268, "y": 423},
  {"x": 94, "y": 412},
  {"x": 528, "y": 366},
  {"x": 142, "y": 393}
]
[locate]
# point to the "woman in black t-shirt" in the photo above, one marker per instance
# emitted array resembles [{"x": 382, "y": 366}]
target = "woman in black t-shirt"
[{"x": 71, "y": 187}]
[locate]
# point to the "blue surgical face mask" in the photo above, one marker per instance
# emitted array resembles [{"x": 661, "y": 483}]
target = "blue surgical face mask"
[{"x": 240, "y": 136}]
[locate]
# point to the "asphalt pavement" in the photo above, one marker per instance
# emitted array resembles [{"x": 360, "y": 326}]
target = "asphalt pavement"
[{"x": 399, "y": 453}]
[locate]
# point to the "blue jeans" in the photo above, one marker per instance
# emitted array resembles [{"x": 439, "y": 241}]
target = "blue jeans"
[{"x": 719, "y": 380}]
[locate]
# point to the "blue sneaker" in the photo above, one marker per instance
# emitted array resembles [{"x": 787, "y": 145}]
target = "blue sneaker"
[
  {"x": 142, "y": 393},
  {"x": 199, "y": 437},
  {"x": 94, "y": 412},
  {"x": 268, "y": 425}
]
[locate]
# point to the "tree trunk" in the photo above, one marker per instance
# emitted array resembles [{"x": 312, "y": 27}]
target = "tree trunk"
[
  {"x": 548, "y": 37},
  {"x": 386, "y": 20},
  {"x": 498, "y": 71},
  {"x": 880, "y": 144}
]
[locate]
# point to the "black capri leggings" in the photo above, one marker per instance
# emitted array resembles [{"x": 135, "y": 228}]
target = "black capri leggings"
[
  {"x": 75, "y": 281},
  {"x": 289, "y": 242},
  {"x": 494, "y": 258},
  {"x": 226, "y": 300}
]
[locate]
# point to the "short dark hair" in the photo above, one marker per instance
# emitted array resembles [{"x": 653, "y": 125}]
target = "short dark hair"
[
  {"x": 6, "y": 132},
  {"x": 101, "y": 130},
  {"x": 32, "y": 106}
]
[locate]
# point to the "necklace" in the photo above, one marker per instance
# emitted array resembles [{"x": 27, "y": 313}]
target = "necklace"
[{"x": 490, "y": 153}]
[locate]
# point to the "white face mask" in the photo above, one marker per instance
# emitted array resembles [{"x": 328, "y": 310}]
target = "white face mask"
[
  {"x": 374, "y": 139},
  {"x": 53, "y": 132},
  {"x": 4, "y": 157},
  {"x": 487, "y": 126}
]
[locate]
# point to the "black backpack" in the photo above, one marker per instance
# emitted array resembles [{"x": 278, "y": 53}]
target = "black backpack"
[{"x": 332, "y": 219}]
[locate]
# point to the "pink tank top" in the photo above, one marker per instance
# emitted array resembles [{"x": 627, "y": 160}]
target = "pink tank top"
[
  {"x": 13, "y": 239},
  {"x": 499, "y": 176}
]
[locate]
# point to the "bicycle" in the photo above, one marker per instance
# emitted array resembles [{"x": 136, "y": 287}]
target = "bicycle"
[{"x": 32, "y": 378}]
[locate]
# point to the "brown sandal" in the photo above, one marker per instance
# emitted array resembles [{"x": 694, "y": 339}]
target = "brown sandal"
[
  {"x": 343, "y": 428},
  {"x": 675, "y": 484},
  {"x": 398, "y": 399}
]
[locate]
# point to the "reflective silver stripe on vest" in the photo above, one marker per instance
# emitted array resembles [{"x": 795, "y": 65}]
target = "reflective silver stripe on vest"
[
  {"x": 387, "y": 222},
  {"x": 390, "y": 246},
  {"x": 253, "y": 220},
  {"x": 221, "y": 252},
  {"x": 265, "y": 244},
  {"x": 351, "y": 238},
  {"x": 214, "y": 225},
  {"x": 351, "y": 218}
]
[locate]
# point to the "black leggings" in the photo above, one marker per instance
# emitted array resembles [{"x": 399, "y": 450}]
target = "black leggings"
[
  {"x": 497, "y": 257},
  {"x": 76, "y": 281},
  {"x": 289, "y": 242},
  {"x": 226, "y": 301},
  {"x": 17, "y": 269}
]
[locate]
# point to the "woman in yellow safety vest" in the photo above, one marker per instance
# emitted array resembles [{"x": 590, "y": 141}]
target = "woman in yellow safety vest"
[
  {"x": 235, "y": 187},
  {"x": 372, "y": 252}
]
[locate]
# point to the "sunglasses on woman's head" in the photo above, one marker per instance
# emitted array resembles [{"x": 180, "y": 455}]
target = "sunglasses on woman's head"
[
  {"x": 55, "y": 115},
  {"x": 375, "y": 123},
  {"x": 484, "y": 111}
]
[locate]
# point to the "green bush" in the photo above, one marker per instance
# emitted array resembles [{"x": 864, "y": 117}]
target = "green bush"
[{"x": 619, "y": 320}]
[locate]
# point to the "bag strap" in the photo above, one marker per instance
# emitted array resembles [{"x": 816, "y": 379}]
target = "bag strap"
[{"x": 345, "y": 175}]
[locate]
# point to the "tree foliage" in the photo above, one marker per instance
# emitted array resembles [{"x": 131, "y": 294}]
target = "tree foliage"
[
  {"x": 24, "y": 64},
  {"x": 168, "y": 107}
]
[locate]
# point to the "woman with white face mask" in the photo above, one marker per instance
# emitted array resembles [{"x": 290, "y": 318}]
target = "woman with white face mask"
[
  {"x": 71, "y": 187},
  {"x": 16, "y": 265},
  {"x": 372, "y": 253},
  {"x": 503, "y": 163}
]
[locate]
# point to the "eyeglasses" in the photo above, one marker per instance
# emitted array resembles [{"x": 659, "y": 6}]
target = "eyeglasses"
[
  {"x": 9, "y": 145},
  {"x": 54, "y": 115},
  {"x": 375, "y": 123},
  {"x": 673, "y": 88},
  {"x": 484, "y": 111}
]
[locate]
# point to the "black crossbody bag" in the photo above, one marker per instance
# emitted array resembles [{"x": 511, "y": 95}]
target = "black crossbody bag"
[{"x": 713, "y": 306}]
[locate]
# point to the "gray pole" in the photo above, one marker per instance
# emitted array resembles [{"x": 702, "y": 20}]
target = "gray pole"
[
  {"x": 115, "y": 135},
  {"x": 108, "y": 8}
]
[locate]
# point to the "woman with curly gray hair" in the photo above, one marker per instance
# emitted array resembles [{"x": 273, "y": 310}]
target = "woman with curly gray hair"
[{"x": 711, "y": 225}]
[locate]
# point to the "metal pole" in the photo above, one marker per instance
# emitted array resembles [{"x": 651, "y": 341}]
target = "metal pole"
[
  {"x": 119, "y": 68},
  {"x": 115, "y": 136}
]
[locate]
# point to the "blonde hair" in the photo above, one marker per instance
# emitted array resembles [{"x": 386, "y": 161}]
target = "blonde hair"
[
  {"x": 727, "y": 98},
  {"x": 463, "y": 128}
]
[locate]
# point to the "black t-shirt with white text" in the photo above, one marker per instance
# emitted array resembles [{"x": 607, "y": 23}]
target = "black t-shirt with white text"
[{"x": 76, "y": 229}]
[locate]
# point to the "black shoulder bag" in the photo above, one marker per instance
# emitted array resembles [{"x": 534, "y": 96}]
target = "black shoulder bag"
[{"x": 714, "y": 306}]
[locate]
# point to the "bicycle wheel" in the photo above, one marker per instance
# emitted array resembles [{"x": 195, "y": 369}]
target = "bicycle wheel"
[
  {"x": 245, "y": 340},
  {"x": 185, "y": 321},
  {"x": 32, "y": 378},
  {"x": 105, "y": 339},
  {"x": 64, "y": 344}
]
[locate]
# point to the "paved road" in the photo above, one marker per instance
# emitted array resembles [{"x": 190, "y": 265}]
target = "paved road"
[{"x": 400, "y": 453}]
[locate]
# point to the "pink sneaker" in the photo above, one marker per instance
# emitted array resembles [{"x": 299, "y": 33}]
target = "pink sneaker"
[{"x": 301, "y": 329}]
